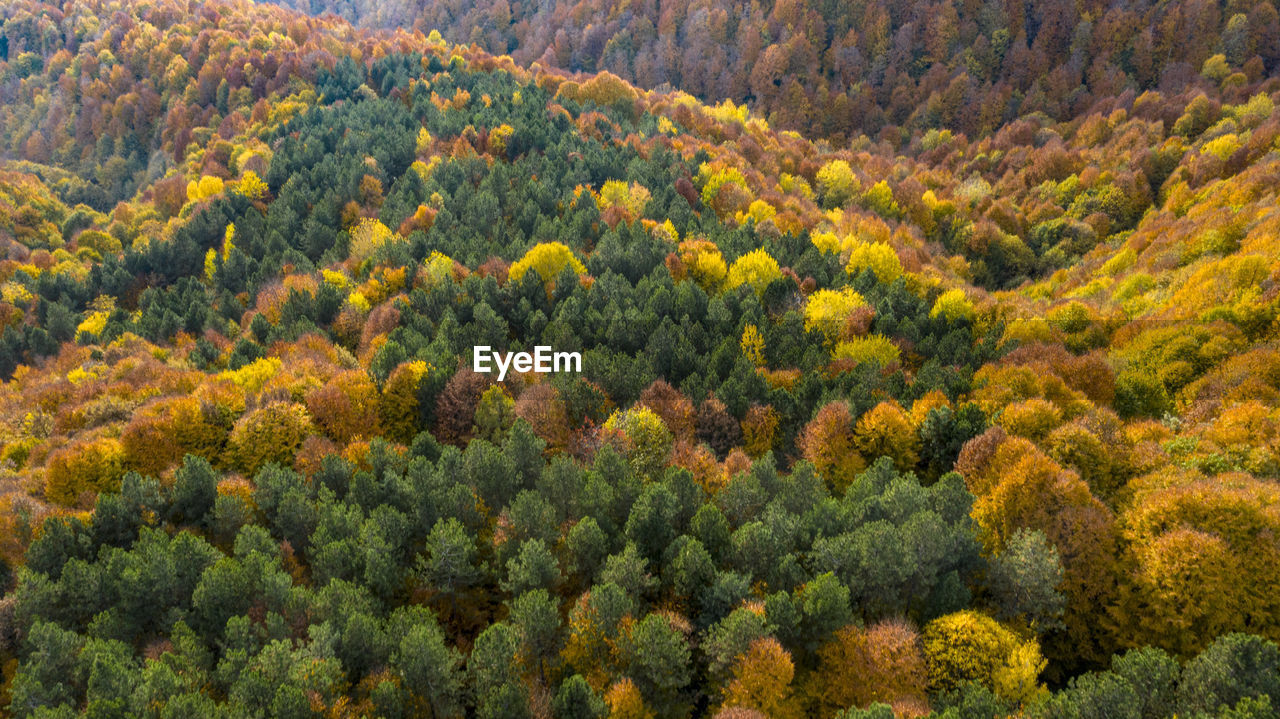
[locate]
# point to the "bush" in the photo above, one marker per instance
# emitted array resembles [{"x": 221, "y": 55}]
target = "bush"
[
  {"x": 273, "y": 433},
  {"x": 92, "y": 466}
]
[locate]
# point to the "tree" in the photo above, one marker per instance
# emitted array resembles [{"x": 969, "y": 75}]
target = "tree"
[
  {"x": 449, "y": 563},
  {"x": 493, "y": 671},
  {"x": 702, "y": 261},
  {"x": 729, "y": 639},
  {"x": 837, "y": 183},
  {"x": 824, "y": 606},
  {"x": 1034, "y": 418},
  {"x": 872, "y": 349},
  {"x": 195, "y": 488},
  {"x": 642, "y": 438},
  {"x": 1232, "y": 668},
  {"x": 346, "y": 406},
  {"x": 544, "y": 410},
  {"x": 159, "y": 434},
  {"x": 495, "y": 413},
  {"x": 717, "y": 427},
  {"x": 594, "y": 624},
  {"x": 827, "y": 443},
  {"x": 534, "y": 567},
  {"x": 879, "y": 258},
  {"x": 953, "y": 305},
  {"x": 759, "y": 430},
  {"x": 827, "y": 311},
  {"x": 430, "y": 669},
  {"x": 857, "y": 667},
  {"x": 762, "y": 681},
  {"x": 624, "y": 701},
  {"x": 399, "y": 413},
  {"x": 270, "y": 434},
  {"x": 91, "y": 466},
  {"x": 536, "y": 616},
  {"x": 968, "y": 646},
  {"x": 755, "y": 269},
  {"x": 456, "y": 406},
  {"x": 369, "y": 237},
  {"x": 886, "y": 431},
  {"x": 1024, "y": 580},
  {"x": 575, "y": 699},
  {"x": 673, "y": 407},
  {"x": 658, "y": 662},
  {"x": 547, "y": 259},
  {"x": 1154, "y": 676}
]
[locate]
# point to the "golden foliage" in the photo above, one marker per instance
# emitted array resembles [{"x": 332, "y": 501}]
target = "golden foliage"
[
  {"x": 876, "y": 349},
  {"x": 879, "y": 258},
  {"x": 625, "y": 702},
  {"x": 759, "y": 430},
  {"x": 346, "y": 407},
  {"x": 756, "y": 269},
  {"x": 270, "y": 434},
  {"x": 886, "y": 431},
  {"x": 827, "y": 442},
  {"x": 762, "y": 681},
  {"x": 704, "y": 263},
  {"x": 548, "y": 259},
  {"x": 883, "y": 663},
  {"x": 86, "y": 467},
  {"x": 827, "y": 311},
  {"x": 752, "y": 344},
  {"x": 968, "y": 646}
]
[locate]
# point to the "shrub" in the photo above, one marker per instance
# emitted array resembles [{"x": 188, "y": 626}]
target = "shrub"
[
  {"x": 273, "y": 433},
  {"x": 92, "y": 466}
]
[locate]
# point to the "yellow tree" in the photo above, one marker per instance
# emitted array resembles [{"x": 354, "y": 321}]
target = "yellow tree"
[
  {"x": 837, "y": 183},
  {"x": 969, "y": 646},
  {"x": 398, "y": 404},
  {"x": 87, "y": 467},
  {"x": 643, "y": 439},
  {"x": 877, "y": 257},
  {"x": 270, "y": 434},
  {"x": 827, "y": 442},
  {"x": 548, "y": 259},
  {"x": 827, "y": 311},
  {"x": 752, "y": 344},
  {"x": 953, "y": 305},
  {"x": 625, "y": 701},
  {"x": 756, "y": 268},
  {"x": 886, "y": 431},
  {"x": 762, "y": 681},
  {"x": 704, "y": 263},
  {"x": 883, "y": 663}
]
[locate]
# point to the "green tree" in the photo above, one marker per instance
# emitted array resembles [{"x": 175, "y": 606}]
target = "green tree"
[
  {"x": 658, "y": 662},
  {"x": 575, "y": 699},
  {"x": 195, "y": 488},
  {"x": 536, "y": 616},
  {"x": 449, "y": 562},
  {"x": 430, "y": 669},
  {"x": 1024, "y": 581},
  {"x": 1234, "y": 667},
  {"x": 493, "y": 671},
  {"x": 533, "y": 567}
]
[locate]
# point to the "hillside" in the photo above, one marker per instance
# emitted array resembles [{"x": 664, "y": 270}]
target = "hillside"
[
  {"x": 975, "y": 423},
  {"x": 883, "y": 69}
]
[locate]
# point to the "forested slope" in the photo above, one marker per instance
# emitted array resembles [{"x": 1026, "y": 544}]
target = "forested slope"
[
  {"x": 970, "y": 425},
  {"x": 880, "y": 68}
]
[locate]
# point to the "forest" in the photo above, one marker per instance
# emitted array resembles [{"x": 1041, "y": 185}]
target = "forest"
[
  {"x": 881, "y": 68},
  {"x": 966, "y": 405}
]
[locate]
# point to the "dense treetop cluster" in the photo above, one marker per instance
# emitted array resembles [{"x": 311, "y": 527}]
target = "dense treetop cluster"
[
  {"x": 978, "y": 427},
  {"x": 881, "y": 69}
]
